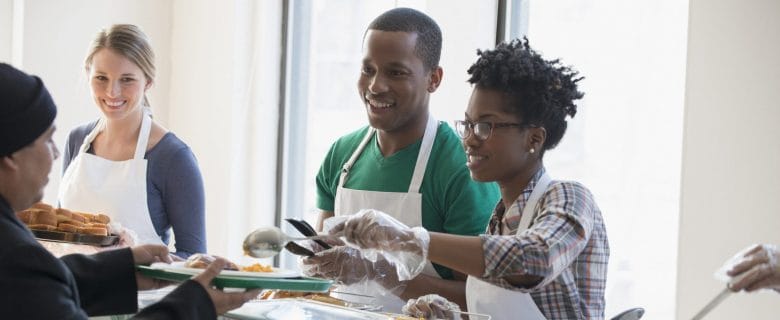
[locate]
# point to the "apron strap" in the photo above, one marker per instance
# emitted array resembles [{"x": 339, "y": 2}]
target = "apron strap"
[
  {"x": 355, "y": 155},
  {"x": 101, "y": 124},
  {"x": 425, "y": 152},
  {"x": 143, "y": 136},
  {"x": 530, "y": 206}
]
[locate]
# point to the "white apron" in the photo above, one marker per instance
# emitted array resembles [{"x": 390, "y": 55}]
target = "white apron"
[
  {"x": 483, "y": 297},
  {"x": 406, "y": 207},
  {"x": 115, "y": 188}
]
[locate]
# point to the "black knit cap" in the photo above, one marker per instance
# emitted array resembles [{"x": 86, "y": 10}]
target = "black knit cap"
[{"x": 26, "y": 109}]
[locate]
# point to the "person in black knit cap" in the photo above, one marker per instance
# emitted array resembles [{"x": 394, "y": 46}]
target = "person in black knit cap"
[{"x": 40, "y": 286}]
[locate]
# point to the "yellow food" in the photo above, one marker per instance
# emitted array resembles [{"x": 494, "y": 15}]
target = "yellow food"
[{"x": 257, "y": 267}]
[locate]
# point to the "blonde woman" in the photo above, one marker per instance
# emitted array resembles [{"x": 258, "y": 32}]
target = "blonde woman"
[{"x": 125, "y": 164}]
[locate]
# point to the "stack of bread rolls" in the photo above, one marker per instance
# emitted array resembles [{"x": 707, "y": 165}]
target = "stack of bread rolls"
[{"x": 42, "y": 216}]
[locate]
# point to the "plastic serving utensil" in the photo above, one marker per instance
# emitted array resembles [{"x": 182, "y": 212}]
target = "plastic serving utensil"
[{"x": 267, "y": 242}]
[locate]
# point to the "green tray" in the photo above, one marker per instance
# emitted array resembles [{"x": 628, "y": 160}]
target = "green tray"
[{"x": 292, "y": 284}]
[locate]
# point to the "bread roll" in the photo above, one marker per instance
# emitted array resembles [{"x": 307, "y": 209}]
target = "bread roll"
[
  {"x": 25, "y": 215},
  {"x": 64, "y": 227},
  {"x": 42, "y": 206},
  {"x": 44, "y": 227},
  {"x": 100, "y": 218},
  {"x": 93, "y": 231},
  {"x": 96, "y": 225},
  {"x": 73, "y": 223},
  {"x": 63, "y": 212},
  {"x": 79, "y": 217},
  {"x": 43, "y": 217}
]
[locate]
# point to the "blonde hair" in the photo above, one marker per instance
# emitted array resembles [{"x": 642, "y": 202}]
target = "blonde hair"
[{"x": 129, "y": 41}]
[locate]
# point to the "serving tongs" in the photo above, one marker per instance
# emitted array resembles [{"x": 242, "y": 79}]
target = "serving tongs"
[{"x": 306, "y": 229}]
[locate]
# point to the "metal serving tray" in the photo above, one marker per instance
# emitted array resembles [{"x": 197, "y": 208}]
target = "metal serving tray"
[{"x": 69, "y": 237}]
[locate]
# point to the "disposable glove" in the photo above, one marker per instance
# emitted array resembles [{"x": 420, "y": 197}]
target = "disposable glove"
[
  {"x": 431, "y": 306},
  {"x": 756, "y": 268},
  {"x": 346, "y": 266},
  {"x": 376, "y": 233}
]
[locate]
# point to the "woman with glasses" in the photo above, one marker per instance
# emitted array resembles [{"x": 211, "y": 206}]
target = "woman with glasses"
[{"x": 545, "y": 252}]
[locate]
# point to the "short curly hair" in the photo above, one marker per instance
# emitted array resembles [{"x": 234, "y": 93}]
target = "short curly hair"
[
  {"x": 429, "y": 39},
  {"x": 541, "y": 92}
]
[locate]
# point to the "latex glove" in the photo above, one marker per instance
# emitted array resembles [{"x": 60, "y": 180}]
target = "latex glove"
[
  {"x": 223, "y": 301},
  {"x": 756, "y": 269},
  {"x": 373, "y": 229},
  {"x": 377, "y": 233},
  {"x": 148, "y": 254},
  {"x": 347, "y": 266},
  {"x": 431, "y": 306}
]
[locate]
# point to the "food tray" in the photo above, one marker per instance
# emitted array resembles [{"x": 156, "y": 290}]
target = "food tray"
[
  {"x": 222, "y": 281},
  {"x": 81, "y": 238}
]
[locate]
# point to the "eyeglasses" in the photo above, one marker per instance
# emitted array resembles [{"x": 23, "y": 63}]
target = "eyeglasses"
[{"x": 483, "y": 129}]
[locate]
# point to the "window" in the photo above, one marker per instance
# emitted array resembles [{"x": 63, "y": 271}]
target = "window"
[{"x": 625, "y": 141}]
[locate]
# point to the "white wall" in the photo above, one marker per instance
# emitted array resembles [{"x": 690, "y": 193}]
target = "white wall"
[
  {"x": 6, "y": 29},
  {"x": 731, "y": 156}
]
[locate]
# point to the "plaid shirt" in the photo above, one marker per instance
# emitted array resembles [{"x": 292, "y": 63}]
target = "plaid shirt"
[{"x": 566, "y": 245}]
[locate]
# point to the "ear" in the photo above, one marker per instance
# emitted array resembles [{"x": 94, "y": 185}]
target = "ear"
[
  {"x": 435, "y": 79},
  {"x": 9, "y": 163},
  {"x": 148, "y": 85},
  {"x": 536, "y": 138}
]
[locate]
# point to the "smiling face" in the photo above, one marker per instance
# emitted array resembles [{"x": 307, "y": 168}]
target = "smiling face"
[
  {"x": 504, "y": 157},
  {"x": 118, "y": 85},
  {"x": 394, "y": 83}
]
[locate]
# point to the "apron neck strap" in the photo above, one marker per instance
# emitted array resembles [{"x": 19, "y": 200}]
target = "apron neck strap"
[
  {"x": 101, "y": 124},
  {"x": 422, "y": 158},
  {"x": 355, "y": 155},
  {"x": 143, "y": 135},
  {"x": 530, "y": 206},
  {"x": 425, "y": 153}
]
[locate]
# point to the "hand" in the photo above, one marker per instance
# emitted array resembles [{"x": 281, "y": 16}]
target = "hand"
[
  {"x": 145, "y": 255},
  {"x": 372, "y": 229},
  {"x": 758, "y": 269},
  {"x": 431, "y": 306},
  {"x": 346, "y": 266},
  {"x": 223, "y": 301}
]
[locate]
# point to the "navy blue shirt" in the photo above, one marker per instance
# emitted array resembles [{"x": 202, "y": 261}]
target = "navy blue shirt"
[{"x": 174, "y": 187}]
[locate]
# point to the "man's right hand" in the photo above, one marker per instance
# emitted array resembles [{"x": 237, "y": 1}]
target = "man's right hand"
[{"x": 223, "y": 301}]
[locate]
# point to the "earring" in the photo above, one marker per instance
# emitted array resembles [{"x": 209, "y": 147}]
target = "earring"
[{"x": 532, "y": 150}]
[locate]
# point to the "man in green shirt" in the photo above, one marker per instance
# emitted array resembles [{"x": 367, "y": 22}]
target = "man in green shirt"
[{"x": 405, "y": 163}]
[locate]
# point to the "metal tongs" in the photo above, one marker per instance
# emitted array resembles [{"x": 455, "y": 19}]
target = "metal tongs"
[{"x": 307, "y": 230}]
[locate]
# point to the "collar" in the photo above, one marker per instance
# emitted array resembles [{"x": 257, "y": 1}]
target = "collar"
[{"x": 497, "y": 220}]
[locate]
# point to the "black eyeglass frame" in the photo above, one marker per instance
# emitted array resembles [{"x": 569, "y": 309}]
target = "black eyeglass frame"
[{"x": 468, "y": 128}]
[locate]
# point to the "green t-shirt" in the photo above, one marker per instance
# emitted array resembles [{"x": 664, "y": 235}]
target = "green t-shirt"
[{"x": 451, "y": 201}]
